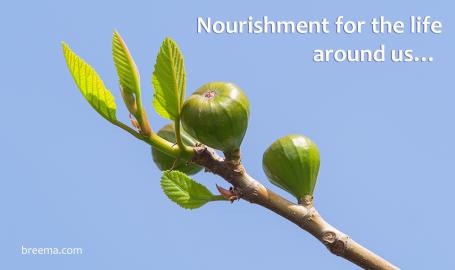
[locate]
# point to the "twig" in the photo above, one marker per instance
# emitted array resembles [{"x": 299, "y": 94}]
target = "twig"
[{"x": 303, "y": 215}]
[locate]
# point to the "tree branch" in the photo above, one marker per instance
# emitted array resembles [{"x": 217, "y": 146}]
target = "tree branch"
[{"x": 303, "y": 215}]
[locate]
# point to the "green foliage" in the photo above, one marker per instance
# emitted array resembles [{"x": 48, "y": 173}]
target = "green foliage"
[
  {"x": 169, "y": 80},
  {"x": 184, "y": 191},
  {"x": 90, "y": 84},
  {"x": 126, "y": 67}
]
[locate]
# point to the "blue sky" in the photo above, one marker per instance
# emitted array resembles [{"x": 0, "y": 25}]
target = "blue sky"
[{"x": 70, "y": 179}]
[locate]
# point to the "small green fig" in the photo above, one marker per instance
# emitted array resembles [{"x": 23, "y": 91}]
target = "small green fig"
[
  {"x": 292, "y": 163},
  {"x": 165, "y": 162},
  {"x": 217, "y": 115}
]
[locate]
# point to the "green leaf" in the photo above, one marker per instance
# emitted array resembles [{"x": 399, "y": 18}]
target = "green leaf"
[
  {"x": 169, "y": 80},
  {"x": 184, "y": 191},
  {"x": 90, "y": 84},
  {"x": 126, "y": 67}
]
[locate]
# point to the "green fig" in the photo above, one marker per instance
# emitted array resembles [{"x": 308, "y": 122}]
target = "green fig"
[
  {"x": 292, "y": 163},
  {"x": 165, "y": 162},
  {"x": 217, "y": 116}
]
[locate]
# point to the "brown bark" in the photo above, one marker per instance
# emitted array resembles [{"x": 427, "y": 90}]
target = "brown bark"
[{"x": 303, "y": 214}]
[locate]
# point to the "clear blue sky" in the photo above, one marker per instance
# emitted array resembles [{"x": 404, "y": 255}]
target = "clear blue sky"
[{"x": 70, "y": 179}]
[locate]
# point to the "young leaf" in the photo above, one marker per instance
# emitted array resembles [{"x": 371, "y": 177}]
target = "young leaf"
[
  {"x": 184, "y": 191},
  {"x": 126, "y": 68},
  {"x": 90, "y": 84},
  {"x": 169, "y": 80}
]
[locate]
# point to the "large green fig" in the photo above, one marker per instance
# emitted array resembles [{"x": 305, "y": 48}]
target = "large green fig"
[
  {"x": 164, "y": 162},
  {"x": 292, "y": 163},
  {"x": 217, "y": 115}
]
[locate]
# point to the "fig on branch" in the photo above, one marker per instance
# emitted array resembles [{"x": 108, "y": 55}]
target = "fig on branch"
[
  {"x": 217, "y": 116},
  {"x": 165, "y": 162},
  {"x": 292, "y": 163}
]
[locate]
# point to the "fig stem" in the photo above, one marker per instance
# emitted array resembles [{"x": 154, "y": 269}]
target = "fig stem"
[
  {"x": 178, "y": 136},
  {"x": 233, "y": 156},
  {"x": 218, "y": 198},
  {"x": 306, "y": 200},
  {"x": 156, "y": 141},
  {"x": 141, "y": 116}
]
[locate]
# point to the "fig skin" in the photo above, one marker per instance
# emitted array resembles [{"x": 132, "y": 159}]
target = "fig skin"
[
  {"x": 164, "y": 162},
  {"x": 217, "y": 115},
  {"x": 292, "y": 163}
]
